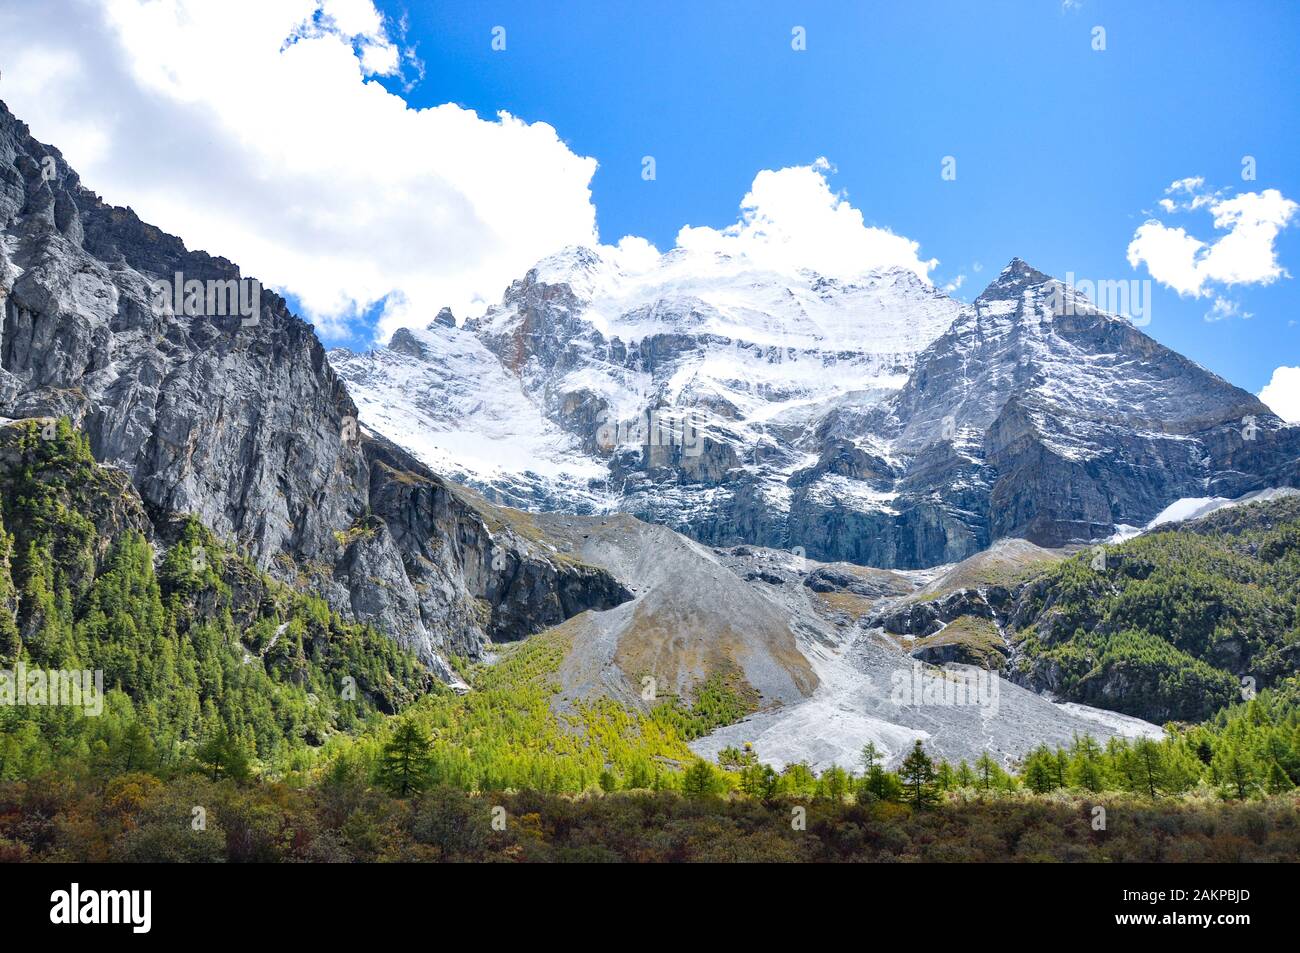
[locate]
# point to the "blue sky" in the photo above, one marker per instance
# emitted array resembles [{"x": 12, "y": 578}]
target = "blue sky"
[
  {"x": 321, "y": 153},
  {"x": 1061, "y": 150}
]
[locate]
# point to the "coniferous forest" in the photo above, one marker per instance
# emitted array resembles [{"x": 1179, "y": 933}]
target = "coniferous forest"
[
  {"x": 680, "y": 433},
  {"x": 244, "y": 721}
]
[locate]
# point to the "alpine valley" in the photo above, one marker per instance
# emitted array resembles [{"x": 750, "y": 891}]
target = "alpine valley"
[{"x": 682, "y": 524}]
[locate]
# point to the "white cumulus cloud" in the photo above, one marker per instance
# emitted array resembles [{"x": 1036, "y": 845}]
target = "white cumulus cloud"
[
  {"x": 1282, "y": 393},
  {"x": 258, "y": 130},
  {"x": 1244, "y": 255},
  {"x": 790, "y": 219},
  {"x": 255, "y": 129}
]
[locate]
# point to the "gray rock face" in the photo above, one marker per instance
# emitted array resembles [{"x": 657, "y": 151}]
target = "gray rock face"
[
  {"x": 929, "y": 617},
  {"x": 821, "y": 425},
  {"x": 1070, "y": 423},
  {"x": 691, "y": 618},
  {"x": 825, "y": 678},
  {"x": 239, "y": 419},
  {"x": 687, "y": 395}
]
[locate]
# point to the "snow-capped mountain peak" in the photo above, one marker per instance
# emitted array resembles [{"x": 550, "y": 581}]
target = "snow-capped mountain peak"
[
  {"x": 871, "y": 419},
  {"x": 591, "y": 337}
]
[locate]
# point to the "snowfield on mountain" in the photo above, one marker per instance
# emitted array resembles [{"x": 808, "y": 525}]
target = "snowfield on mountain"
[{"x": 874, "y": 421}]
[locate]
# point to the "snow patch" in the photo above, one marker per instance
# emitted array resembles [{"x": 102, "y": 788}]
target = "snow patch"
[{"x": 1195, "y": 507}]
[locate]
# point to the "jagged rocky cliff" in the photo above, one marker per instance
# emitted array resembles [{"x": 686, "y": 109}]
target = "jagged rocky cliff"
[
  {"x": 807, "y": 423},
  {"x": 877, "y": 422},
  {"x": 237, "y": 417},
  {"x": 1058, "y": 424}
]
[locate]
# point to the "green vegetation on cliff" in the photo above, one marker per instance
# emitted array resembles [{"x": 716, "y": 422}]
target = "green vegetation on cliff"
[
  {"x": 202, "y": 654},
  {"x": 311, "y": 737},
  {"x": 1173, "y": 621}
]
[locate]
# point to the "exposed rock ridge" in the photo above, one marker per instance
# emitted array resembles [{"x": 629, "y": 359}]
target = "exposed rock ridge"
[{"x": 239, "y": 419}]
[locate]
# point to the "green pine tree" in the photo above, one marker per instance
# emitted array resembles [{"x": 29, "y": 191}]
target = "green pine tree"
[
  {"x": 8, "y": 601},
  {"x": 406, "y": 760},
  {"x": 1234, "y": 769},
  {"x": 700, "y": 780},
  {"x": 918, "y": 777},
  {"x": 965, "y": 776},
  {"x": 1277, "y": 781},
  {"x": 1040, "y": 771},
  {"x": 870, "y": 756},
  {"x": 986, "y": 773},
  {"x": 222, "y": 755}
]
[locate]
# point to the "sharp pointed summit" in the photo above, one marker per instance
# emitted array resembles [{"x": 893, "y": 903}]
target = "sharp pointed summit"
[
  {"x": 874, "y": 421},
  {"x": 1012, "y": 281}
]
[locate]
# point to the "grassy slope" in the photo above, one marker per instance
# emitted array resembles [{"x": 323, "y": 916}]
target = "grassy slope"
[{"x": 972, "y": 640}]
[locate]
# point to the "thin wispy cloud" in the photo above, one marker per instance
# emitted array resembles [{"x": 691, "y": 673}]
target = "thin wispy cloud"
[{"x": 1225, "y": 308}]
